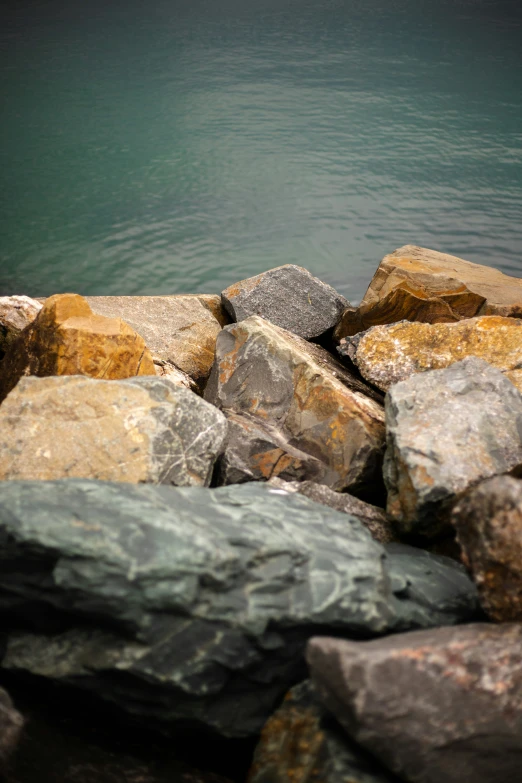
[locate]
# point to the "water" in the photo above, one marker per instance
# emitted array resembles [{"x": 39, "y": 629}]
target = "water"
[{"x": 168, "y": 146}]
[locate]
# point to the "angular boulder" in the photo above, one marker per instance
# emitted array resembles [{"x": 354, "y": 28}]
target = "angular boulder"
[
  {"x": 488, "y": 520},
  {"x": 417, "y": 284},
  {"x": 386, "y": 355},
  {"x": 192, "y": 605},
  {"x": 303, "y": 743},
  {"x": 269, "y": 374},
  {"x": 289, "y": 297},
  {"x": 438, "y": 705},
  {"x": 11, "y": 725},
  {"x": 446, "y": 430},
  {"x": 66, "y": 338},
  {"x": 16, "y": 312},
  {"x": 139, "y": 429}
]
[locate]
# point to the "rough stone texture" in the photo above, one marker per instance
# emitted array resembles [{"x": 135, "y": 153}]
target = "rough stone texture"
[
  {"x": 11, "y": 725},
  {"x": 288, "y": 296},
  {"x": 178, "y": 330},
  {"x": 372, "y": 517},
  {"x": 302, "y": 743},
  {"x": 433, "y": 706},
  {"x": 387, "y": 354},
  {"x": 446, "y": 430},
  {"x": 139, "y": 429},
  {"x": 66, "y": 338},
  {"x": 267, "y": 373},
  {"x": 488, "y": 520},
  {"x": 194, "y": 605},
  {"x": 417, "y": 284},
  {"x": 16, "y": 312}
]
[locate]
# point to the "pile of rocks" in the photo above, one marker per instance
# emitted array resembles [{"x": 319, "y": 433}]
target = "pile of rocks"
[{"x": 209, "y": 502}]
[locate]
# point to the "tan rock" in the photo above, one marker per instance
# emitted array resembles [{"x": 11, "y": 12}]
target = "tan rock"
[
  {"x": 417, "y": 284},
  {"x": 66, "y": 338},
  {"x": 16, "y": 312},
  {"x": 392, "y": 353}
]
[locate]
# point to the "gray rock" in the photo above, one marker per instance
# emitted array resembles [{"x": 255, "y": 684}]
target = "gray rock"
[
  {"x": 11, "y": 725},
  {"x": 439, "y": 705},
  {"x": 189, "y": 604},
  {"x": 288, "y": 296},
  {"x": 302, "y": 743},
  {"x": 446, "y": 430},
  {"x": 16, "y": 312}
]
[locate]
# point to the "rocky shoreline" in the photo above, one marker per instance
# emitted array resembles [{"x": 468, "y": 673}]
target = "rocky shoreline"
[{"x": 265, "y": 519}]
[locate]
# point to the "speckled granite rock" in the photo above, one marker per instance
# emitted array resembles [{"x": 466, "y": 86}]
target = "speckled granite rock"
[
  {"x": 438, "y": 705},
  {"x": 302, "y": 743},
  {"x": 139, "y": 429},
  {"x": 11, "y": 725},
  {"x": 16, "y": 312},
  {"x": 446, "y": 430},
  {"x": 488, "y": 520},
  {"x": 191, "y": 605},
  {"x": 288, "y": 296}
]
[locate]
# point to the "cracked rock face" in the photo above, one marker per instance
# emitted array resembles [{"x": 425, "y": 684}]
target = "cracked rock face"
[
  {"x": 193, "y": 606},
  {"x": 438, "y": 705},
  {"x": 11, "y": 725},
  {"x": 446, "y": 430},
  {"x": 16, "y": 312},
  {"x": 316, "y": 405},
  {"x": 288, "y": 296},
  {"x": 139, "y": 429},
  {"x": 488, "y": 520}
]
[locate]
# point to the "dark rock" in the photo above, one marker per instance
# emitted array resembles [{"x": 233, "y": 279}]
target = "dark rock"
[
  {"x": 439, "y": 705},
  {"x": 11, "y": 725},
  {"x": 446, "y": 430},
  {"x": 288, "y": 296},
  {"x": 302, "y": 743},
  {"x": 488, "y": 520},
  {"x": 193, "y": 606}
]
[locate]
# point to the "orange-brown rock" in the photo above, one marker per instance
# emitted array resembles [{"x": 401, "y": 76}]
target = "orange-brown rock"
[
  {"x": 417, "y": 284},
  {"x": 388, "y": 354},
  {"x": 67, "y": 338}
]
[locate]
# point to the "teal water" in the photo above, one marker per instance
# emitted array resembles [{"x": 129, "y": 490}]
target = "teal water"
[{"x": 165, "y": 146}]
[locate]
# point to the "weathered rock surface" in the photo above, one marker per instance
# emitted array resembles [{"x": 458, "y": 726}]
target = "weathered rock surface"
[
  {"x": 288, "y": 296},
  {"x": 11, "y": 725},
  {"x": 139, "y": 429},
  {"x": 488, "y": 520},
  {"x": 179, "y": 331},
  {"x": 16, "y": 312},
  {"x": 417, "y": 284},
  {"x": 265, "y": 372},
  {"x": 302, "y": 743},
  {"x": 194, "y": 605},
  {"x": 446, "y": 430},
  {"x": 387, "y": 354},
  {"x": 372, "y": 517},
  {"x": 66, "y": 338},
  {"x": 439, "y": 705}
]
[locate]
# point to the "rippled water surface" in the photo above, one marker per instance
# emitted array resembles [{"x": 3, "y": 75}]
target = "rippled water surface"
[{"x": 169, "y": 146}]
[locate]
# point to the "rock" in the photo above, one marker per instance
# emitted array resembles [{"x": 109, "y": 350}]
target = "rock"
[
  {"x": 191, "y": 604},
  {"x": 387, "y": 354},
  {"x": 372, "y": 517},
  {"x": 446, "y": 430},
  {"x": 180, "y": 331},
  {"x": 11, "y": 725},
  {"x": 438, "y": 705},
  {"x": 302, "y": 743},
  {"x": 66, "y": 338},
  {"x": 417, "y": 284},
  {"x": 267, "y": 373},
  {"x": 16, "y": 312},
  {"x": 139, "y": 429},
  {"x": 289, "y": 297},
  {"x": 488, "y": 520}
]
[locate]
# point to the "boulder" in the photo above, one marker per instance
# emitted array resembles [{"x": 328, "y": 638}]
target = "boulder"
[
  {"x": 438, "y": 705},
  {"x": 289, "y": 297},
  {"x": 11, "y": 725},
  {"x": 301, "y": 742},
  {"x": 66, "y": 338},
  {"x": 372, "y": 517},
  {"x": 192, "y": 605},
  {"x": 446, "y": 430},
  {"x": 488, "y": 520},
  {"x": 319, "y": 407},
  {"x": 139, "y": 429},
  {"x": 16, "y": 312},
  {"x": 417, "y": 284}
]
